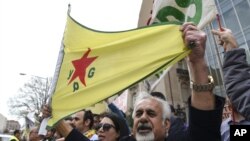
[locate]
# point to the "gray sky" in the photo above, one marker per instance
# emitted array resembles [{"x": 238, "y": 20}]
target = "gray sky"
[{"x": 31, "y": 33}]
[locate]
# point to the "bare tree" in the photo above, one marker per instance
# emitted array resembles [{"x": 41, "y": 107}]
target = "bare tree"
[{"x": 31, "y": 97}]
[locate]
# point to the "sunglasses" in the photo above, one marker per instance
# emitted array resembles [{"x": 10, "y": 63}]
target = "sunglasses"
[{"x": 105, "y": 127}]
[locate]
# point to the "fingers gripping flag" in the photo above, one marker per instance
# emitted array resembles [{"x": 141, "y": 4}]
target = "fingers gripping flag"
[{"x": 96, "y": 65}]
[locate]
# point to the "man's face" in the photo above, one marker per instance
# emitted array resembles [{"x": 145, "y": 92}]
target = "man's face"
[
  {"x": 148, "y": 121},
  {"x": 18, "y": 135},
  {"x": 78, "y": 122},
  {"x": 96, "y": 121},
  {"x": 33, "y": 136}
]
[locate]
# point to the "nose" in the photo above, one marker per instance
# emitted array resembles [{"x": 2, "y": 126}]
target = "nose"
[
  {"x": 100, "y": 130},
  {"x": 144, "y": 118}
]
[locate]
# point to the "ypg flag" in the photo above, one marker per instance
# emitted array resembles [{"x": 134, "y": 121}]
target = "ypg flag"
[{"x": 96, "y": 65}]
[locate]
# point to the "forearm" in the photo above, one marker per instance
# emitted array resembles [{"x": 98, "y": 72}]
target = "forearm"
[
  {"x": 237, "y": 80},
  {"x": 203, "y": 100},
  {"x": 236, "y": 73},
  {"x": 205, "y": 123}
]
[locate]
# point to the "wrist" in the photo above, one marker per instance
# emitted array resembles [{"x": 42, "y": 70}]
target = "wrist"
[
  {"x": 198, "y": 71},
  {"x": 203, "y": 87},
  {"x": 232, "y": 43}
]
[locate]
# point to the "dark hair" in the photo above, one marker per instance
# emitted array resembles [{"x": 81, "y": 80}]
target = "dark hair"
[
  {"x": 119, "y": 124},
  {"x": 172, "y": 108},
  {"x": 96, "y": 115},
  {"x": 158, "y": 95},
  {"x": 89, "y": 115},
  {"x": 16, "y": 132}
]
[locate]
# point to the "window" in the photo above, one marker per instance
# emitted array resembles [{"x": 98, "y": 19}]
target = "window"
[{"x": 242, "y": 9}]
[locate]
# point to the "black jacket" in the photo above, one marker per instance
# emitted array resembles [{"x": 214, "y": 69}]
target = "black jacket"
[{"x": 237, "y": 80}]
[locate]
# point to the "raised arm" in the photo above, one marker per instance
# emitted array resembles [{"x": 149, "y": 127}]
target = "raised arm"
[
  {"x": 202, "y": 99},
  {"x": 205, "y": 109},
  {"x": 236, "y": 72}
]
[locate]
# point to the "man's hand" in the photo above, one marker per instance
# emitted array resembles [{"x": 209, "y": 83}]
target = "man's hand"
[
  {"x": 226, "y": 38},
  {"x": 46, "y": 110},
  {"x": 194, "y": 39}
]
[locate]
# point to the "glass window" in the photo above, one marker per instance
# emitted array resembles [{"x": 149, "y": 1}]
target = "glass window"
[
  {"x": 248, "y": 43},
  {"x": 242, "y": 9},
  {"x": 231, "y": 21},
  {"x": 247, "y": 34}
]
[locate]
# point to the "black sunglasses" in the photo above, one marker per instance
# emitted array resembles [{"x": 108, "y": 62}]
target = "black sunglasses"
[{"x": 105, "y": 127}]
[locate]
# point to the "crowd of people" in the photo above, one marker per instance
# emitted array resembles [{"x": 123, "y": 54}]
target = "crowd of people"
[{"x": 153, "y": 118}]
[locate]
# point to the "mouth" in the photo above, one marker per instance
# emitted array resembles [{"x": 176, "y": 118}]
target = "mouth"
[
  {"x": 101, "y": 137},
  {"x": 144, "y": 129}
]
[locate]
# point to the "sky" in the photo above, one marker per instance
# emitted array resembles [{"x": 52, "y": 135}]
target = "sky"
[{"x": 31, "y": 32}]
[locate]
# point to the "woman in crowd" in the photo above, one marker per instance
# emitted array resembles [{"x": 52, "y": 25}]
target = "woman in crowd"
[{"x": 111, "y": 128}]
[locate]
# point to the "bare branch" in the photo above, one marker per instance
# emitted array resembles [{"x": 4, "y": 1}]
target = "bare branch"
[{"x": 30, "y": 97}]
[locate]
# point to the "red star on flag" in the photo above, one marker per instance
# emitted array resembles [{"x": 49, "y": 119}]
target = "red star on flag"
[{"x": 80, "y": 67}]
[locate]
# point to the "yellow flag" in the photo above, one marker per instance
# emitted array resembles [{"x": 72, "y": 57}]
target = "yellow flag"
[{"x": 97, "y": 65}]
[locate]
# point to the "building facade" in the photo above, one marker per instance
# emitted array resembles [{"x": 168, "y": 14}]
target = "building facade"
[
  {"x": 12, "y": 125},
  {"x": 3, "y": 122}
]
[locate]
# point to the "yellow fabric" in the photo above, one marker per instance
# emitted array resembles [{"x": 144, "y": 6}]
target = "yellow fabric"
[
  {"x": 89, "y": 133},
  {"x": 116, "y": 60},
  {"x": 14, "y": 138}
]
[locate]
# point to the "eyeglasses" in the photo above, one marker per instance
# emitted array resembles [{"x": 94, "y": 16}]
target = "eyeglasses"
[{"x": 105, "y": 127}]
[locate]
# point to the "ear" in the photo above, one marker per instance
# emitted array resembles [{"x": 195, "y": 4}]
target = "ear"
[
  {"x": 118, "y": 135},
  {"x": 167, "y": 125},
  {"x": 87, "y": 122}
]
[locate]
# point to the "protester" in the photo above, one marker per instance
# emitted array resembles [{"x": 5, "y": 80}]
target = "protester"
[
  {"x": 83, "y": 121},
  {"x": 33, "y": 135},
  {"x": 120, "y": 113},
  {"x": 236, "y": 72},
  {"x": 235, "y": 119},
  {"x": 49, "y": 135},
  {"x": 112, "y": 128},
  {"x": 177, "y": 126},
  {"x": 96, "y": 120},
  {"x": 16, "y": 136},
  {"x": 237, "y": 81},
  {"x": 109, "y": 129}
]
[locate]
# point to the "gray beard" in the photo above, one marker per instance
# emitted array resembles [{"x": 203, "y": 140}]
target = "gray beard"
[{"x": 148, "y": 137}]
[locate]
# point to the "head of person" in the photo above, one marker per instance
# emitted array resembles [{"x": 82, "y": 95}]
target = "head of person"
[
  {"x": 111, "y": 128},
  {"x": 69, "y": 120},
  {"x": 158, "y": 95},
  {"x": 83, "y": 120},
  {"x": 33, "y": 135},
  {"x": 172, "y": 109},
  {"x": 96, "y": 120},
  {"x": 151, "y": 118},
  {"x": 50, "y": 133},
  {"x": 17, "y": 134}
]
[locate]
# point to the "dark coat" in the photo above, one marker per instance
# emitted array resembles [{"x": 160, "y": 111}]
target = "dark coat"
[{"x": 237, "y": 80}]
